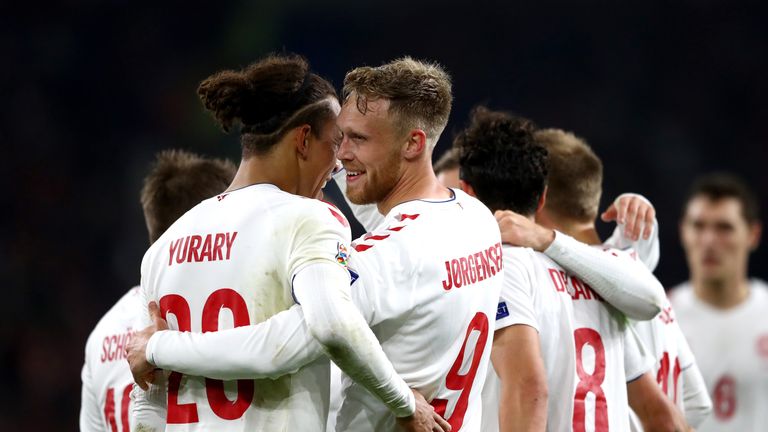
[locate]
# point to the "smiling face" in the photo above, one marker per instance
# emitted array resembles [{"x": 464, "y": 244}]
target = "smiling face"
[
  {"x": 370, "y": 151},
  {"x": 717, "y": 239},
  {"x": 322, "y": 146}
]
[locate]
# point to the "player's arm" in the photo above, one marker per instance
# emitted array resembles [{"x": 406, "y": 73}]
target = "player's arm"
[
  {"x": 696, "y": 402},
  {"x": 90, "y": 412},
  {"x": 516, "y": 353},
  {"x": 636, "y": 227},
  {"x": 627, "y": 285},
  {"x": 367, "y": 214},
  {"x": 654, "y": 409},
  {"x": 149, "y": 409},
  {"x": 516, "y": 357}
]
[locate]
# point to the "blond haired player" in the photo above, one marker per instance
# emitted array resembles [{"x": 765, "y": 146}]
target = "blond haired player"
[
  {"x": 254, "y": 250},
  {"x": 429, "y": 297},
  {"x": 722, "y": 312},
  {"x": 176, "y": 183}
]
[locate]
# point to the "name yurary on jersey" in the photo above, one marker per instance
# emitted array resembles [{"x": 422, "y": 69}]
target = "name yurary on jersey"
[{"x": 199, "y": 248}]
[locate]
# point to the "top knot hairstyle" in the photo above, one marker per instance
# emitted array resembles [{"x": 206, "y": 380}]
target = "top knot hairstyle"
[
  {"x": 267, "y": 98},
  {"x": 419, "y": 93},
  {"x": 500, "y": 159}
]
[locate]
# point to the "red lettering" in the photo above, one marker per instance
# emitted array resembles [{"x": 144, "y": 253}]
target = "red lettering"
[
  {"x": 490, "y": 253},
  {"x": 448, "y": 282},
  {"x": 173, "y": 247},
  {"x": 181, "y": 254},
  {"x": 455, "y": 271},
  {"x": 218, "y": 243},
  {"x": 472, "y": 268},
  {"x": 557, "y": 280},
  {"x": 120, "y": 348},
  {"x": 230, "y": 241},
  {"x": 578, "y": 290},
  {"x": 500, "y": 257},
  {"x": 464, "y": 269},
  {"x": 192, "y": 251},
  {"x": 205, "y": 253},
  {"x": 104, "y": 349},
  {"x": 482, "y": 266}
]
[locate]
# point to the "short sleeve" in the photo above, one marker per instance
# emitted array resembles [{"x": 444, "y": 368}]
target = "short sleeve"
[
  {"x": 637, "y": 357},
  {"x": 320, "y": 234},
  {"x": 516, "y": 302}
]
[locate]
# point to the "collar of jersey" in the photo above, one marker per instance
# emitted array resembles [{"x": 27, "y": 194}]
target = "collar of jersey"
[{"x": 415, "y": 202}]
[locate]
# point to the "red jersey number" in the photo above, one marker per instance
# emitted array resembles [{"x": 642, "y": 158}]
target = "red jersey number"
[
  {"x": 590, "y": 382},
  {"x": 109, "y": 409},
  {"x": 214, "y": 389},
  {"x": 463, "y": 382},
  {"x": 662, "y": 376},
  {"x": 725, "y": 397}
]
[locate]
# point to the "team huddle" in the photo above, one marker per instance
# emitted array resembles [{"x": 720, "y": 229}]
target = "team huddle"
[{"x": 483, "y": 301}]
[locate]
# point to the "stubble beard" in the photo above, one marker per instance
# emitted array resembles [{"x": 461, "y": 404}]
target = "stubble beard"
[{"x": 377, "y": 184}]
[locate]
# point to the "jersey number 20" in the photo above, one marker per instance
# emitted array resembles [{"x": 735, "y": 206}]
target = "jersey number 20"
[{"x": 214, "y": 389}]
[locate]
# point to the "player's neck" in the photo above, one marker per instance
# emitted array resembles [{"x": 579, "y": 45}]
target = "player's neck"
[
  {"x": 417, "y": 182},
  {"x": 268, "y": 169},
  {"x": 722, "y": 293},
  {"x": 584, "y": 232}
]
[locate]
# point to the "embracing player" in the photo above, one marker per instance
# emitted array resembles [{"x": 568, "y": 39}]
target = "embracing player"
[
  {"x": 429, "y": 297},
  {"x": 254, "y": 250},
  {"x": 178, "y": 181}
]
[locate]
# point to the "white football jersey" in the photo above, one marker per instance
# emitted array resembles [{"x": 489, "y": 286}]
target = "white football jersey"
[
  {"x": 429, "y": 282},
  {"x": 107, "y": 381},
  {"x": 664, "y": 340},
  {"x": 229, "y": 262},
  {"x": 584, "y": 342},
  {"x": 731, "y": 349}
]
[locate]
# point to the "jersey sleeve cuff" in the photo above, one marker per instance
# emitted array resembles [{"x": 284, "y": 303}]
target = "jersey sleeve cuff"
[{"x": 150, "y": 349}]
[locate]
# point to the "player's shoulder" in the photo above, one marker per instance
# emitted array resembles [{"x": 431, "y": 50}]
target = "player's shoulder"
[
  {"x": 518, "y": 256},
  {"x": 759, "y": 289}
]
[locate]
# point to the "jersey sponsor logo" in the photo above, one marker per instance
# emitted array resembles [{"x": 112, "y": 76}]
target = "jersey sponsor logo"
[
  {"x": 199, "y": 248},
  {"x": 473, "y": 268},
  {"x": 113, "y": 346},
  {"x": 573, "y": 286},
  {"x": 502, "y": 311}
]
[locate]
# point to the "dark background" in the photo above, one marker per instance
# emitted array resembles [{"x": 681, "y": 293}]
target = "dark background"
[{"x": 92, "y": 90}]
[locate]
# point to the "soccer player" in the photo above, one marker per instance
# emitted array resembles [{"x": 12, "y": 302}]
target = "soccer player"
[
  {"x": 501, "y": 163},
  {"x": 447, "y": 169},
  {"x": 177, "y": 182},
  {"x": 428, "y": 291},
  {"x": 723, "y": 313},
  {"x": 573, "y": 162},
  {"x": 255, "y": 249}
]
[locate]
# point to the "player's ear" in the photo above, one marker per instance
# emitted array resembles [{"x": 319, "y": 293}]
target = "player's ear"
[
  {"x": 302, "y": 139},
  {"x": 542, "y": 200},
  {"x": 467, "y": 188},
  {"x": 755, "y": 232},
  {"x": 416, "y": 144}
]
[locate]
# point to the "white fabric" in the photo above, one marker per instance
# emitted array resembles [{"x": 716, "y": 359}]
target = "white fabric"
[
  {"x": 415, "y": 307},
  {"x": 674, "y": 362},
  {"x": 323, "y": 290},
  {"x": 731, "y": 349},
  {"x": 540, "y": 293},
  {"x": 107, "y": 381},
  {"x": 250, "y": 244},
  {"x": 624, "y": 282},
  {"x": 410, "y": 271}
]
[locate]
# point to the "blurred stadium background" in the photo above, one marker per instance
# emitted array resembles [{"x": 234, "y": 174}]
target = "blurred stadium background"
[{"x": 92, "y": 90}]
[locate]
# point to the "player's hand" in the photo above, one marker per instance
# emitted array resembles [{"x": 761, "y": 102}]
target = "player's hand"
[
  {"x": 424, "y": 419},
  {"x": 142, "y": 370},
  {"x": 519, "y": 230},
  {"x": 634, "y": 212}
]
